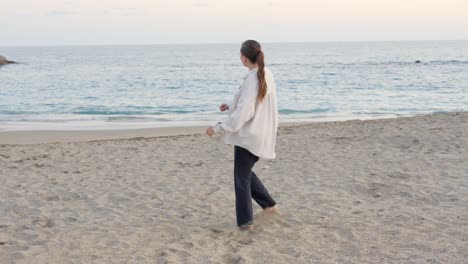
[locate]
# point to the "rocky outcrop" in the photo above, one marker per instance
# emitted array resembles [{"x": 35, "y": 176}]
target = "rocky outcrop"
[{"x": 4, "y": 61}]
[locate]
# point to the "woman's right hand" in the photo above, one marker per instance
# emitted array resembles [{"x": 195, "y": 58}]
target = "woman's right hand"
[{"x": 223, "y": 107}]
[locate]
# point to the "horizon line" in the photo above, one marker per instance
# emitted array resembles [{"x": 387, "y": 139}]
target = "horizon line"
[{"x": 221, "y": 43}]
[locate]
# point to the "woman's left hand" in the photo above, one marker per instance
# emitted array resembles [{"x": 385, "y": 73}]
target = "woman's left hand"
[{"x": 209, "y": 131}]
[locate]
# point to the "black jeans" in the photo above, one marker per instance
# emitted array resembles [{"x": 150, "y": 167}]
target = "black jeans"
[{"x": 247, "y": 186}]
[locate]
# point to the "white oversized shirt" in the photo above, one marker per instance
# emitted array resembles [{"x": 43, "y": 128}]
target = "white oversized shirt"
[{"x": 252, "y": 124}]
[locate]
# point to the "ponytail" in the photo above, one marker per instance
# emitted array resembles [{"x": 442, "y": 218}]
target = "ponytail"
[
  {"x": 262, "y": 87},
  {"x": 253, "y": 51}
]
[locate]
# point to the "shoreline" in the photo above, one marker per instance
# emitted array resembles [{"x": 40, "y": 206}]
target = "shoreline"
[
  {"x": 136, "y": 122},
  {"x": 44, "y": 136}
]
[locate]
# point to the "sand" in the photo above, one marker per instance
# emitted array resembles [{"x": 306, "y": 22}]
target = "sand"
[
  {"x": 28, "y": 137},
  {"x": 374, "y": 191}
]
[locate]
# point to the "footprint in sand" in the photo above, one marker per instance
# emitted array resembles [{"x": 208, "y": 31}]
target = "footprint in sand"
[
  {"x": 270, "y": 220},
  {"x": 188, "y": 245},
  {"x": 52, "y": 198},
  {"x": 398, "y": 175},
  {"x": 234, "y": 259},
  {"x": 44, "y": 222}
]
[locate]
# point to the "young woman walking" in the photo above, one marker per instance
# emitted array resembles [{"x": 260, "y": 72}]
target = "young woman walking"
[{"x": 251, "y": 127}]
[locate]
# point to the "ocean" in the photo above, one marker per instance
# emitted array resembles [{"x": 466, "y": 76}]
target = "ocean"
[{"x": 113, "y": 87}]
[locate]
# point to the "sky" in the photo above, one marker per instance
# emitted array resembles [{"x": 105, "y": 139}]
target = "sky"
[{"x": 101, "y": 22}]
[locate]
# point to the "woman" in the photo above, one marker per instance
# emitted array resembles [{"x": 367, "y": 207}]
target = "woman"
[{"x": 251, "y": 127}]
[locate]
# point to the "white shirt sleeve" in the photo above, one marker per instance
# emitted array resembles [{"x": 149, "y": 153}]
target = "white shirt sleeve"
[
  {"x": 234, "y": 99},
  {"x": 245, "y": 108},
  {"x": 218, "y": 128}
]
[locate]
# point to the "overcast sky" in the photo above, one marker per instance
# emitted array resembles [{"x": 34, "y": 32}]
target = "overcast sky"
[{"x": 77, "y": 22}]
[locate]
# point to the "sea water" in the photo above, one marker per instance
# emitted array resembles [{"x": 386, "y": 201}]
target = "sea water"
[{"x": 111, "y": 87}]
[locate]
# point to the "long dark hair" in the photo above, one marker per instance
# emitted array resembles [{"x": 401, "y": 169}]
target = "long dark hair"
[{"x": 253, "y": 51}]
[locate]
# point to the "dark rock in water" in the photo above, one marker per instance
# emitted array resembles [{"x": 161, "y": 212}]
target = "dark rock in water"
[
  {"x": 4, "y": 61},
  {"x": 418, "y": 61}
]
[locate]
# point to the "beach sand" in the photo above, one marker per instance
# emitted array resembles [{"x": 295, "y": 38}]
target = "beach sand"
[{"x": 374, "y": 191}]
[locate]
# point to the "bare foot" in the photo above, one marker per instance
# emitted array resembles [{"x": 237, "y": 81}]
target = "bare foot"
[
  {"x": 249, "y": 227},
  {"x": 273, "y": 209}
]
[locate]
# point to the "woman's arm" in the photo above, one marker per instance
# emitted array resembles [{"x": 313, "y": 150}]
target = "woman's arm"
[{"x": 245, "y": 108}]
